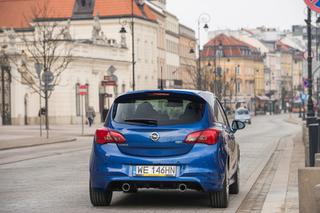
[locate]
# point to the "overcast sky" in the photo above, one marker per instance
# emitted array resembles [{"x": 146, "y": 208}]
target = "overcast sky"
[{"x": 234, "y": 14}]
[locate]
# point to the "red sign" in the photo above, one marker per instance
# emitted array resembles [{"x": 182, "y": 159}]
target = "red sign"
[
  {"x": 83, "y": 90},
  {"x": 108, "y": 83},
  {"x": 313, "y": 5}
]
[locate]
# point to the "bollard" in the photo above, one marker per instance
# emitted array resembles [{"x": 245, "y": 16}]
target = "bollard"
[
  {"x": 318, "y": 146},
  {"x": 316, "y": 191},
  {"x": 317, "y": 160},
  {"x": 313, "y": 142}
]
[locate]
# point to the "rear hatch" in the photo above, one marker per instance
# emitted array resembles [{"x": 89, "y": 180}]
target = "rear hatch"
[
  {"x": 155, "y": 124},
  {"x": 242, "y": 114}
]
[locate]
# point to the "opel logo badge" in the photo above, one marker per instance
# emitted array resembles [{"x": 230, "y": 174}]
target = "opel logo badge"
[{"x": 155, "y": 136}]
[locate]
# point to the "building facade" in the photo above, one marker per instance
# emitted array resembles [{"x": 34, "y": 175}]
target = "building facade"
[
  {"x": 188, "y": 66},
  {"x": 101, "y": 57},
  {"x": 235, "y": 71}
]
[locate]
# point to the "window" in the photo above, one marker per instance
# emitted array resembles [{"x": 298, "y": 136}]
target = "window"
[
  {"x": 219, "y": 114},
  {"x": 158, "y": 109},
  {"x": 238, "y": 70},
  {"x": 238, "y": 87}
]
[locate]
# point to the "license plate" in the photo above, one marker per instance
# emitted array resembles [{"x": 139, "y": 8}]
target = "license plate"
[{"x": 156, "y": 171}]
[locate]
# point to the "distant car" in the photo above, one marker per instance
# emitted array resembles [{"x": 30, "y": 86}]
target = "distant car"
[
  {"x": 243, "y": 114},
  {"x": 166, "y": 139}
]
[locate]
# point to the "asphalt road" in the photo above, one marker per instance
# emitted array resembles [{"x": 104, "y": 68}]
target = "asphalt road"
[{"x": 54, "y": 178}]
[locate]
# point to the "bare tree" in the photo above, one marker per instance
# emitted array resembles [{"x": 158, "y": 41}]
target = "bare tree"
[{"x": 48, "y": 44}]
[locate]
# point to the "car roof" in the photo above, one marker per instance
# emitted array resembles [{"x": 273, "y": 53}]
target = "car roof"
[
  {"x": 206, "y": 95},
  {"x": 242, "y": 108}
]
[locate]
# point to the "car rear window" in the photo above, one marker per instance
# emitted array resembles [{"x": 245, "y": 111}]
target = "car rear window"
[
  {"x": 243, "y": 112},
  {"x": 158, "y": 109}
]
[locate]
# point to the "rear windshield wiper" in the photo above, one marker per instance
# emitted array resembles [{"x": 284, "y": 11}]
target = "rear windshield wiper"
[{"x": 143, "y": 121}]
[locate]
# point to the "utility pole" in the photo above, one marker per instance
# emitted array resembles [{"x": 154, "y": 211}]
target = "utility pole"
[
  {"x": 161, "y": 80},
  {"x": 310, "y": 113},
  {"x": 199, "y": 79},
  {"x": 46, "y": 105},
  {"x": 133, "y": 55},
  {"x": 236, "y": 86}
]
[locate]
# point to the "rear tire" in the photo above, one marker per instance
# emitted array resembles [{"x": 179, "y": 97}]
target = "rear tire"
[
  {"x": 100, "y": 198},
  {"x": 234, "y": 188},
  {"x": 220, "y": 199}
]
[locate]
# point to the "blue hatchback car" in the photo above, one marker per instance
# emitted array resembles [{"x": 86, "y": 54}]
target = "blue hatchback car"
[{"x": 166, "y": 139}]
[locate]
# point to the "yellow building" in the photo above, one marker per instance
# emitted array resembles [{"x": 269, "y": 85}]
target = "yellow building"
[
  {"x": 291, "y": 74},
  {"x": 188, "y": 66},
  {"x": 234, "y": 71}
]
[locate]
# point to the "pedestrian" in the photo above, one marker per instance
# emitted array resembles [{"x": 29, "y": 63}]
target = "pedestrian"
[{"x": 91, "y": 115}]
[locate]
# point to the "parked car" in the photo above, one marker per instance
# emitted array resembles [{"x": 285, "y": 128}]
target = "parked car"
[
  {"x": 243, "y": 114},
  {"x": 166, "y": 139}
]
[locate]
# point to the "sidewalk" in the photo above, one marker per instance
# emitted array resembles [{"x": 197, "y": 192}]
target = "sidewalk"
[
  {"x": 26, "y": 136},
  {"x": 276, "y": 188},
  {"x": 283, "y": 195}
]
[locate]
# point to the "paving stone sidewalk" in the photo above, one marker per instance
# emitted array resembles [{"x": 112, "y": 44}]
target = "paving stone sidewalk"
[
  {"x": 297, "y": 161},
  {"x": 26, "y": 136}
]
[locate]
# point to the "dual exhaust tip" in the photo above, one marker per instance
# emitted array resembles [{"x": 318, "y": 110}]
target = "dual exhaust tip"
[{"x": 126, "y": 187}]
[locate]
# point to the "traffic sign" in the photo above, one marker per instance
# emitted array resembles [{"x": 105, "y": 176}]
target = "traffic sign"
[
  {"x": 313, "y": 5},
  {"x": 306, "y": 83},
  {"x": 50, "y": 87},
  {"x": 47, "y": 77},
  {"x": 83, "y": 90}
]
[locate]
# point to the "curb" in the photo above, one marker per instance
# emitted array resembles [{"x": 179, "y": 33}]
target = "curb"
[
  {"x": 40, "y": 144},
  {"x": 290, "y": 121}
]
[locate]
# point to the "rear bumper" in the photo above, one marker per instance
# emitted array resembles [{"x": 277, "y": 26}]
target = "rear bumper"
[
  {"x": 245, "y": 120},
  {"x": 202, "y": 168}
]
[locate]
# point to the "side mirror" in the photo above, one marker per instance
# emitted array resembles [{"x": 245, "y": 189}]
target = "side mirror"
[{"x": 237, "y": 125}]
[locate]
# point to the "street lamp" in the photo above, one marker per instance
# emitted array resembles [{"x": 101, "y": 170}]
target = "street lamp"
[
  {"x": 255, "y": 93},
  {"x": 123, "y": 32},
  {"x": 310, "y": 112},
  {"x": 225, "y": 71},
  {"x": 220, "y": 54},
  {"x": 236, "y": 71},
  {"x": 204, "y": 18}
]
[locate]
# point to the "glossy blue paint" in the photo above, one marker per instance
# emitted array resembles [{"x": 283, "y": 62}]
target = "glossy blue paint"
[{"x": 199, "y": 163}]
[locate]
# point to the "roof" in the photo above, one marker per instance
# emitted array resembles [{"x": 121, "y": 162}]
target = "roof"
[
  {"x": 19, "y": 13},
  {"x": 203, "y": 94},
  {"x": 226, "y": 41},
  {"x": 281, "y": 46},
  {"x": 109, "y": 8},
  {"x": 231, "y": 46},
  {"x": 254, "y": 42}
]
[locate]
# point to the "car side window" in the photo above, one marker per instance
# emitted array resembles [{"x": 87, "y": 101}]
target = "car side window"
[
  {"x": 222, "y": 116},
  {"x": 218, "y": 116}
]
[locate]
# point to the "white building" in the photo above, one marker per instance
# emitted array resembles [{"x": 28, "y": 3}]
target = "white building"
[{"x": 99, "y": 52}]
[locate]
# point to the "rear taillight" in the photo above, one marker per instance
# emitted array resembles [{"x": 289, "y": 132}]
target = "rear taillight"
[
  {"x": 105, "y": 135},
  {"x": 208, "y": 136}
]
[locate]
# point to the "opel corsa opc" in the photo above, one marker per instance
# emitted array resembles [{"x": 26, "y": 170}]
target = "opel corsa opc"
[{"x": 166, "y": 139}]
